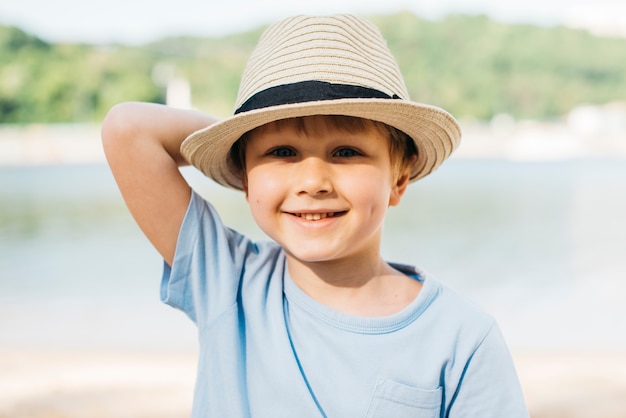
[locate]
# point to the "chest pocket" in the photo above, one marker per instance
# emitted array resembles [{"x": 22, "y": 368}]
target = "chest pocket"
[{"x": 395, "y": 400}]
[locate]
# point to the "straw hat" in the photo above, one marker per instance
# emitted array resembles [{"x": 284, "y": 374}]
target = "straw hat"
[{"x": 322, "y": 65}]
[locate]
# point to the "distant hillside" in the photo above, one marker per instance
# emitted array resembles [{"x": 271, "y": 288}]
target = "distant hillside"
[{"x": 470, "y": 65}]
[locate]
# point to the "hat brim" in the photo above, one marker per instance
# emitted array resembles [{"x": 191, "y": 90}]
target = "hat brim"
[{"x": 435, "y": 132}]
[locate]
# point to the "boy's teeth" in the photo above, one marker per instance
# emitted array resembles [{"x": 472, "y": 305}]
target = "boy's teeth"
[{"x": 314, "y": 216}]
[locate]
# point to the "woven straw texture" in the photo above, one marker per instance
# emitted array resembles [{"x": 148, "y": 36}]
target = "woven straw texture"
[{"x": 340, "y": 49}]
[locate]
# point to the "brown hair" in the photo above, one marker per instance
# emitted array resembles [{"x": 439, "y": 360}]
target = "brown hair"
[{"x": 402, "y": 150}]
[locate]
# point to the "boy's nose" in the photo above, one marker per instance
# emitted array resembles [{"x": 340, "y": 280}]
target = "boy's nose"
[{"x": 314, "y": 177}]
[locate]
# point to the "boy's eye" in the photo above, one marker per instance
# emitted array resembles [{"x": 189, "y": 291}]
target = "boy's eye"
[
  {"x": 282, "y": 152},
  {"x": 346, "y": 152}
]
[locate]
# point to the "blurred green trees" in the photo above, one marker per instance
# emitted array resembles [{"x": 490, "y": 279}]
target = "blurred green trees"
[
  {"x": 470, "y": 65},
  {"x": 41, "y": 82}
]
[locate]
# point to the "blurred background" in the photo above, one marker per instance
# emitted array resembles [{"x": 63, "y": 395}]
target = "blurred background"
[{"x": 527, "y": 218}]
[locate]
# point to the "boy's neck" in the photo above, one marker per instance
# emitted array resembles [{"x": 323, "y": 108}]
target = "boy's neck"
[{"x": 371, "y": 289}]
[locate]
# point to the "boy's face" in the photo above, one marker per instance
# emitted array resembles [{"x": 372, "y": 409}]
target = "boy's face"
[{"x": 321, "y": 195}]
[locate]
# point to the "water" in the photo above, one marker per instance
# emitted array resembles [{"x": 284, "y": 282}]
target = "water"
[{"x": 540, "y": 245}]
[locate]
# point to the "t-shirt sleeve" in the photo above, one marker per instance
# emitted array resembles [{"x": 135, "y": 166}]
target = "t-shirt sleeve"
[
  {"x": 489, "y": 386},
  {"x": 208, "y": 263}
]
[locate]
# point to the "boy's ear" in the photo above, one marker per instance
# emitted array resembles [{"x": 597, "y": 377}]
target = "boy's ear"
[
  {"x": 399, "y": 187},
  {"x": 245, "y": 189},
  {"x": 244, "y": 186}
]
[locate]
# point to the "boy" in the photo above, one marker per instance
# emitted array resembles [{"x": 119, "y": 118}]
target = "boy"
[{"x": 315, "y": 323}]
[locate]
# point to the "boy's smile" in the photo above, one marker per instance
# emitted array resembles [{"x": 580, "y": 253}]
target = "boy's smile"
[
  {"x": 321, "y": 194},
  {"x": 316, "y": 216}
]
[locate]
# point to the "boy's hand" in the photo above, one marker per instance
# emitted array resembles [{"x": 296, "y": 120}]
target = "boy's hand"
[{"x": 142, "y": 145}]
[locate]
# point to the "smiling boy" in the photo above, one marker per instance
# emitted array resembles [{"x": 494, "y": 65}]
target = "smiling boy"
[
  {"x": 313, "y": 323},
  {"x": 322, "y": 192}
]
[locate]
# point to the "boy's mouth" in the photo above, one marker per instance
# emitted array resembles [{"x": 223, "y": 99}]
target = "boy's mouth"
[{"x": 318, "y": 216}]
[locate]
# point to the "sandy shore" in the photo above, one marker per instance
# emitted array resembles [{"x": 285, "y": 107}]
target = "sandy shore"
[
  {"x": 95, "y": 385},
  {"x": 574, "y": 385},
  {"x": 139, "y": 385}
]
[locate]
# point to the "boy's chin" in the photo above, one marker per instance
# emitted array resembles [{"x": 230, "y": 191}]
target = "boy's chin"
[
  {"x": 323, "y": 257},
  {"x": 311, "y": 256}
]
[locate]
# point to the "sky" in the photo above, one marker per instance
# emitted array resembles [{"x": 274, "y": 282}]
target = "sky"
[{"x": 141, "y": 21}]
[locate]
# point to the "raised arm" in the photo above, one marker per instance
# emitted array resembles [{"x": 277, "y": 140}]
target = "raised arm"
[{"x": 141, "y": 143}]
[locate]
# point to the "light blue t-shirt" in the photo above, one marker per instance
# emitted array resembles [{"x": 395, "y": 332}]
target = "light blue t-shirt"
[{"x": 268, "y": 350}]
